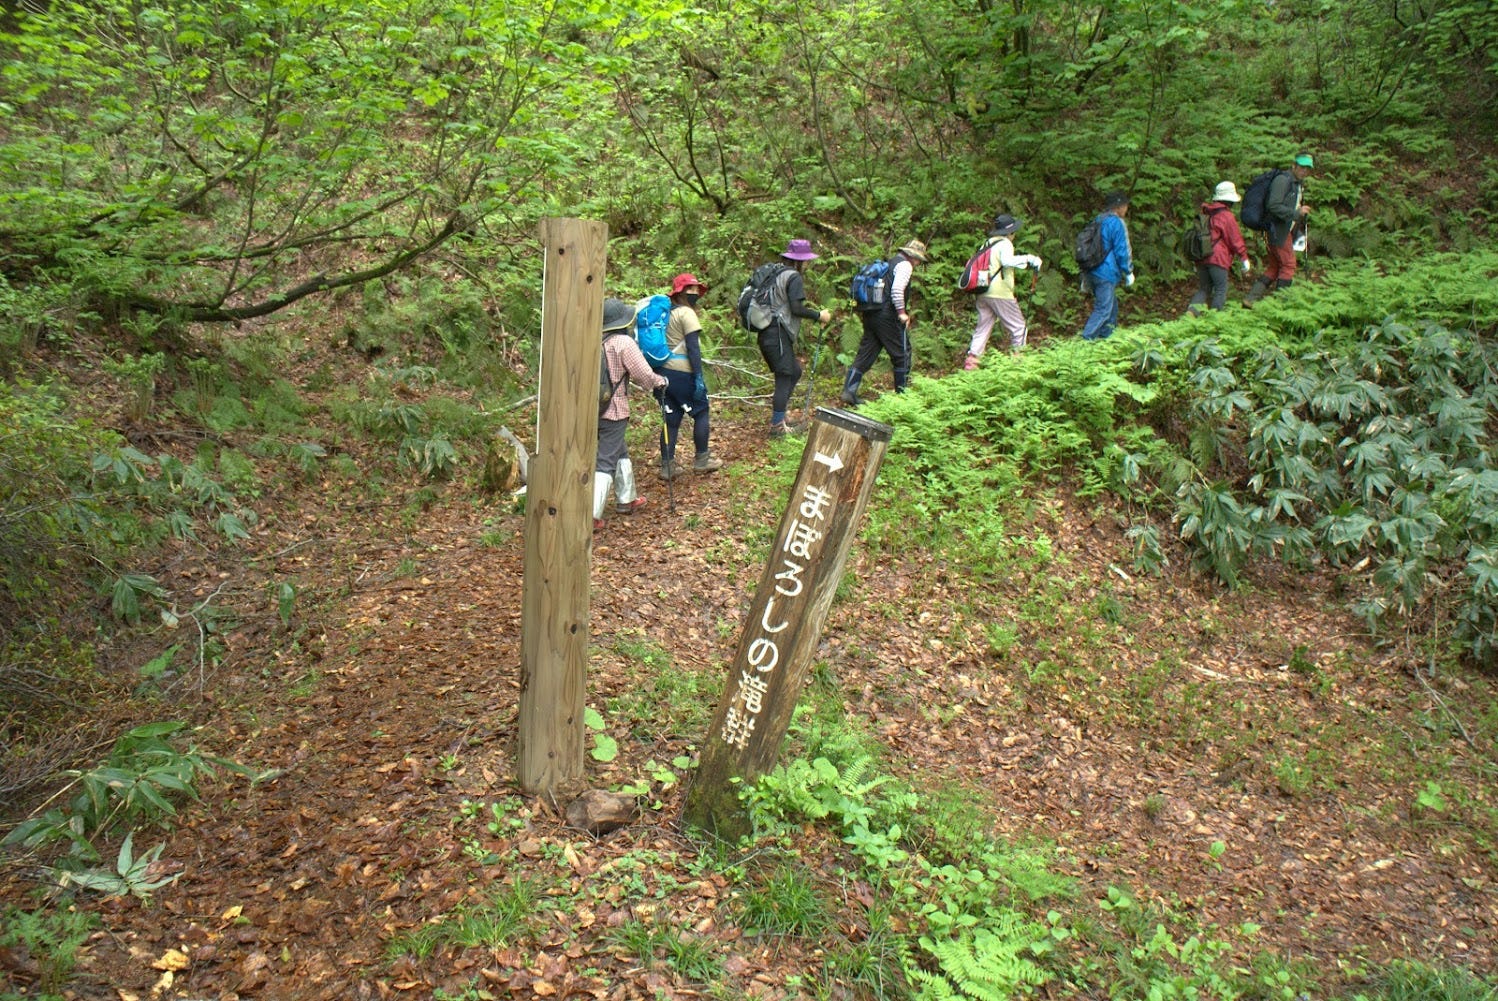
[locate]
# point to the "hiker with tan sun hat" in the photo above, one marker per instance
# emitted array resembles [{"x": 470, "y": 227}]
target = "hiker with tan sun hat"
[
  {"x": 1227, "y": 246},
  {"x": 887, "y": 328}
]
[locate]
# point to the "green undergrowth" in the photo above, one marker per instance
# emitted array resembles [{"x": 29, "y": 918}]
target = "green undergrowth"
[
  {"x": 1342, "y": 424},
  {"x": 864, "y": 883}
]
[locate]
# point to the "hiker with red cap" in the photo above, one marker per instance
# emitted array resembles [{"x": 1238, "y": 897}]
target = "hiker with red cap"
[
  {"x": 773, "y": 305},
  {"x": 686, "y": 389}
]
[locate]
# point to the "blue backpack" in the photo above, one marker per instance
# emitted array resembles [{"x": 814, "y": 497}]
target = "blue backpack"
[
  {"x": 651, "y": 317},
  {"x": 870, "y": 288}
]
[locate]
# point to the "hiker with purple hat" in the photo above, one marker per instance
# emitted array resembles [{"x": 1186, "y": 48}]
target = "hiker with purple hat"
[{"x": 773, "y": 305}]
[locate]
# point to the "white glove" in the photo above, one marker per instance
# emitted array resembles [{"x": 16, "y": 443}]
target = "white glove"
[
  {"x": 1129, "y": 281},
  {"x": 1033, "y": 261},
  {"x": 1247, "y": 267}
]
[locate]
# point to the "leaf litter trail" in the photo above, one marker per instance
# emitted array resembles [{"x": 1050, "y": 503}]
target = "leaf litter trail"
[{"x": 293, "y": 888}]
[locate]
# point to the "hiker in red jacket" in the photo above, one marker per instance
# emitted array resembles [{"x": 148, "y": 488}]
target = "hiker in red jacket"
[{"x": 1227, "y": 247}]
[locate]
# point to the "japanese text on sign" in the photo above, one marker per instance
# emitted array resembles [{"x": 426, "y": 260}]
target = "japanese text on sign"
[{"x": 801, "y": 544}]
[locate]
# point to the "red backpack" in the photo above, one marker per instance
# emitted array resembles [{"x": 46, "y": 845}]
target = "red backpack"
[{"x": 978, "y": 272}]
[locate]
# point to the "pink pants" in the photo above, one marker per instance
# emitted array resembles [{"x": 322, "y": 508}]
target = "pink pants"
[{"x": 1006, "y": 313}]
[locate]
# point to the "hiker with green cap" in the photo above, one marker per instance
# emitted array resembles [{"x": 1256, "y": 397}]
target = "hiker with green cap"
[{"x": 1286, "y": 218}]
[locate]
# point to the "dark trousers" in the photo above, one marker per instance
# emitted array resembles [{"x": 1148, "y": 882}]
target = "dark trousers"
[
  {"x": 883, "y": 331},
  {"x": 778, "y": 348},
  {"x": 685, "y": 396},
  {"x": 1211, "y": 285}
]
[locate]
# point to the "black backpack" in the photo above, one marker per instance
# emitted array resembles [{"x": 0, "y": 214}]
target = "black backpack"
[
  {"x": 1089, "y": 250},
  {"x": 1254, "y": 210}
]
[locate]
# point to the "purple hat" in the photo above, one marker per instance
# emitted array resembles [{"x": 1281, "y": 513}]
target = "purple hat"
[{"x": 799, "y": 250}]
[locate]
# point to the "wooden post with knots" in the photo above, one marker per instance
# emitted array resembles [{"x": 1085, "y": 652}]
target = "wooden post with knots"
[
  {"x": 558, "y": 511},
  {"x": 842, "y": 456}
]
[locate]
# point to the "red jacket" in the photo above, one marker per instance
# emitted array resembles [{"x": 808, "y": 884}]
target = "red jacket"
[{"x": 1227, "y": 238}]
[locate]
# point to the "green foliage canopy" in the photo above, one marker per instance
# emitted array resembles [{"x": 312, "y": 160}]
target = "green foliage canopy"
[{"x": 218, "y": 161}]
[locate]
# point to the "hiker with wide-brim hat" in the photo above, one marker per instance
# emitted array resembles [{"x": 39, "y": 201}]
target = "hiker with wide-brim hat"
[
  {"x": 779, "y": 295},
  {"x": 624, "y": 361},
  {"x": 887, "y": 329},
  {"x": 998, "y": 303},
  {"x": 686, "y": 386},
  {"x": 1227, "y": 247}
]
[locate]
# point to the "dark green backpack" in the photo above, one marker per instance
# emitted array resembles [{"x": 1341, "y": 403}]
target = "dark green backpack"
[{"x": 1196, "y": 242}]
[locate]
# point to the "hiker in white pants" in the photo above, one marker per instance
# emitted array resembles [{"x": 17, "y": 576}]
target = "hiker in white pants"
[
  {"x": 613, "y": 472},
  {"x": 997, "y": 303}
]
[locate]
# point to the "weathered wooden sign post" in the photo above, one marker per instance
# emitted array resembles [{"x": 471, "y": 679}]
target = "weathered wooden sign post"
[
  {"x": 842, "y": 457},
  {"x": 558, "y": 511}
]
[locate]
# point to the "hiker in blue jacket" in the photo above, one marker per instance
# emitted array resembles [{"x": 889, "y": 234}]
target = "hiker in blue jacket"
[{"x": 1118, "y": 266}]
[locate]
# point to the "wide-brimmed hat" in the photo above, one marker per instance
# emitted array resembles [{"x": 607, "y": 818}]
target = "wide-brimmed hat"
[
  {"x": 916, "y": 250},
  {"x": 1114, "y": 199},
  {"x": 1226, "y": 192},
  {"x": 686, "y": 280},
  {"x": 617, "y": 314},
  {"x": 1304, "y": 160},
  {"x": 799, "y": 250},
  {"x": 1003, "y": 225}
]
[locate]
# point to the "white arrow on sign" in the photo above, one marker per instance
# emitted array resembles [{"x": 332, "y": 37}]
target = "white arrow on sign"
[{"x": 832, "y": 462}]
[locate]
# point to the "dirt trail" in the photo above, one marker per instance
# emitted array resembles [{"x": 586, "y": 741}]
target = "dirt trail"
[{"x": 292, "y": 889}]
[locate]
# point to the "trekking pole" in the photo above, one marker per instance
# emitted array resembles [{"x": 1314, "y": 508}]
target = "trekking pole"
[
  {"x": 811, "y": 382},
  {"x": 668, "y": 466}
]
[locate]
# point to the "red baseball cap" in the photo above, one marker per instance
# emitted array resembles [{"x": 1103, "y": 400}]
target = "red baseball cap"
[{"x": 686, "y": 280}]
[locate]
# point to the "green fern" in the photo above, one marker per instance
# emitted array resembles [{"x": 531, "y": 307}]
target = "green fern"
[{"x": 995, "y": 962}]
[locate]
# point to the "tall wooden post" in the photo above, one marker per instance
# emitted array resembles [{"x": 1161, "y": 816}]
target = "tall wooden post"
[
  {"x": 558, "y": 510},
  {"x": 842, "y": 457}
]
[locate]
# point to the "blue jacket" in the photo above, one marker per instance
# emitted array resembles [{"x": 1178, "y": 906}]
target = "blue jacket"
[{"x": 1116, "y": 242}]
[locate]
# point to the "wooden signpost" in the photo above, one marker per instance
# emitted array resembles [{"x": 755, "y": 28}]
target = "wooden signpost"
[
  {"x": 842, "y": 456},
  {"x": 558, "y": 511}
]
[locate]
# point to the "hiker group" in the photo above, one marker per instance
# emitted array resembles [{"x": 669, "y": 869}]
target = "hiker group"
[
  {"x": 665, "y": 352},
  {"x": 656, "y": 343}
]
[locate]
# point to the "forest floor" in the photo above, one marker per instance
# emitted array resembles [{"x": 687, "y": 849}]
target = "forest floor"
[{"x": 393, "y": 703}]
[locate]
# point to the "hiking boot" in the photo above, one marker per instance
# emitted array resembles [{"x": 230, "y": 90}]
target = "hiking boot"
[
  {"x": 783, "y": 428},
  {"x": 970, "y": 364},
  {"x": 706, "y": 463},
  {"x": 631, "y": 507},
  {"x": 671, "y": 470}
]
